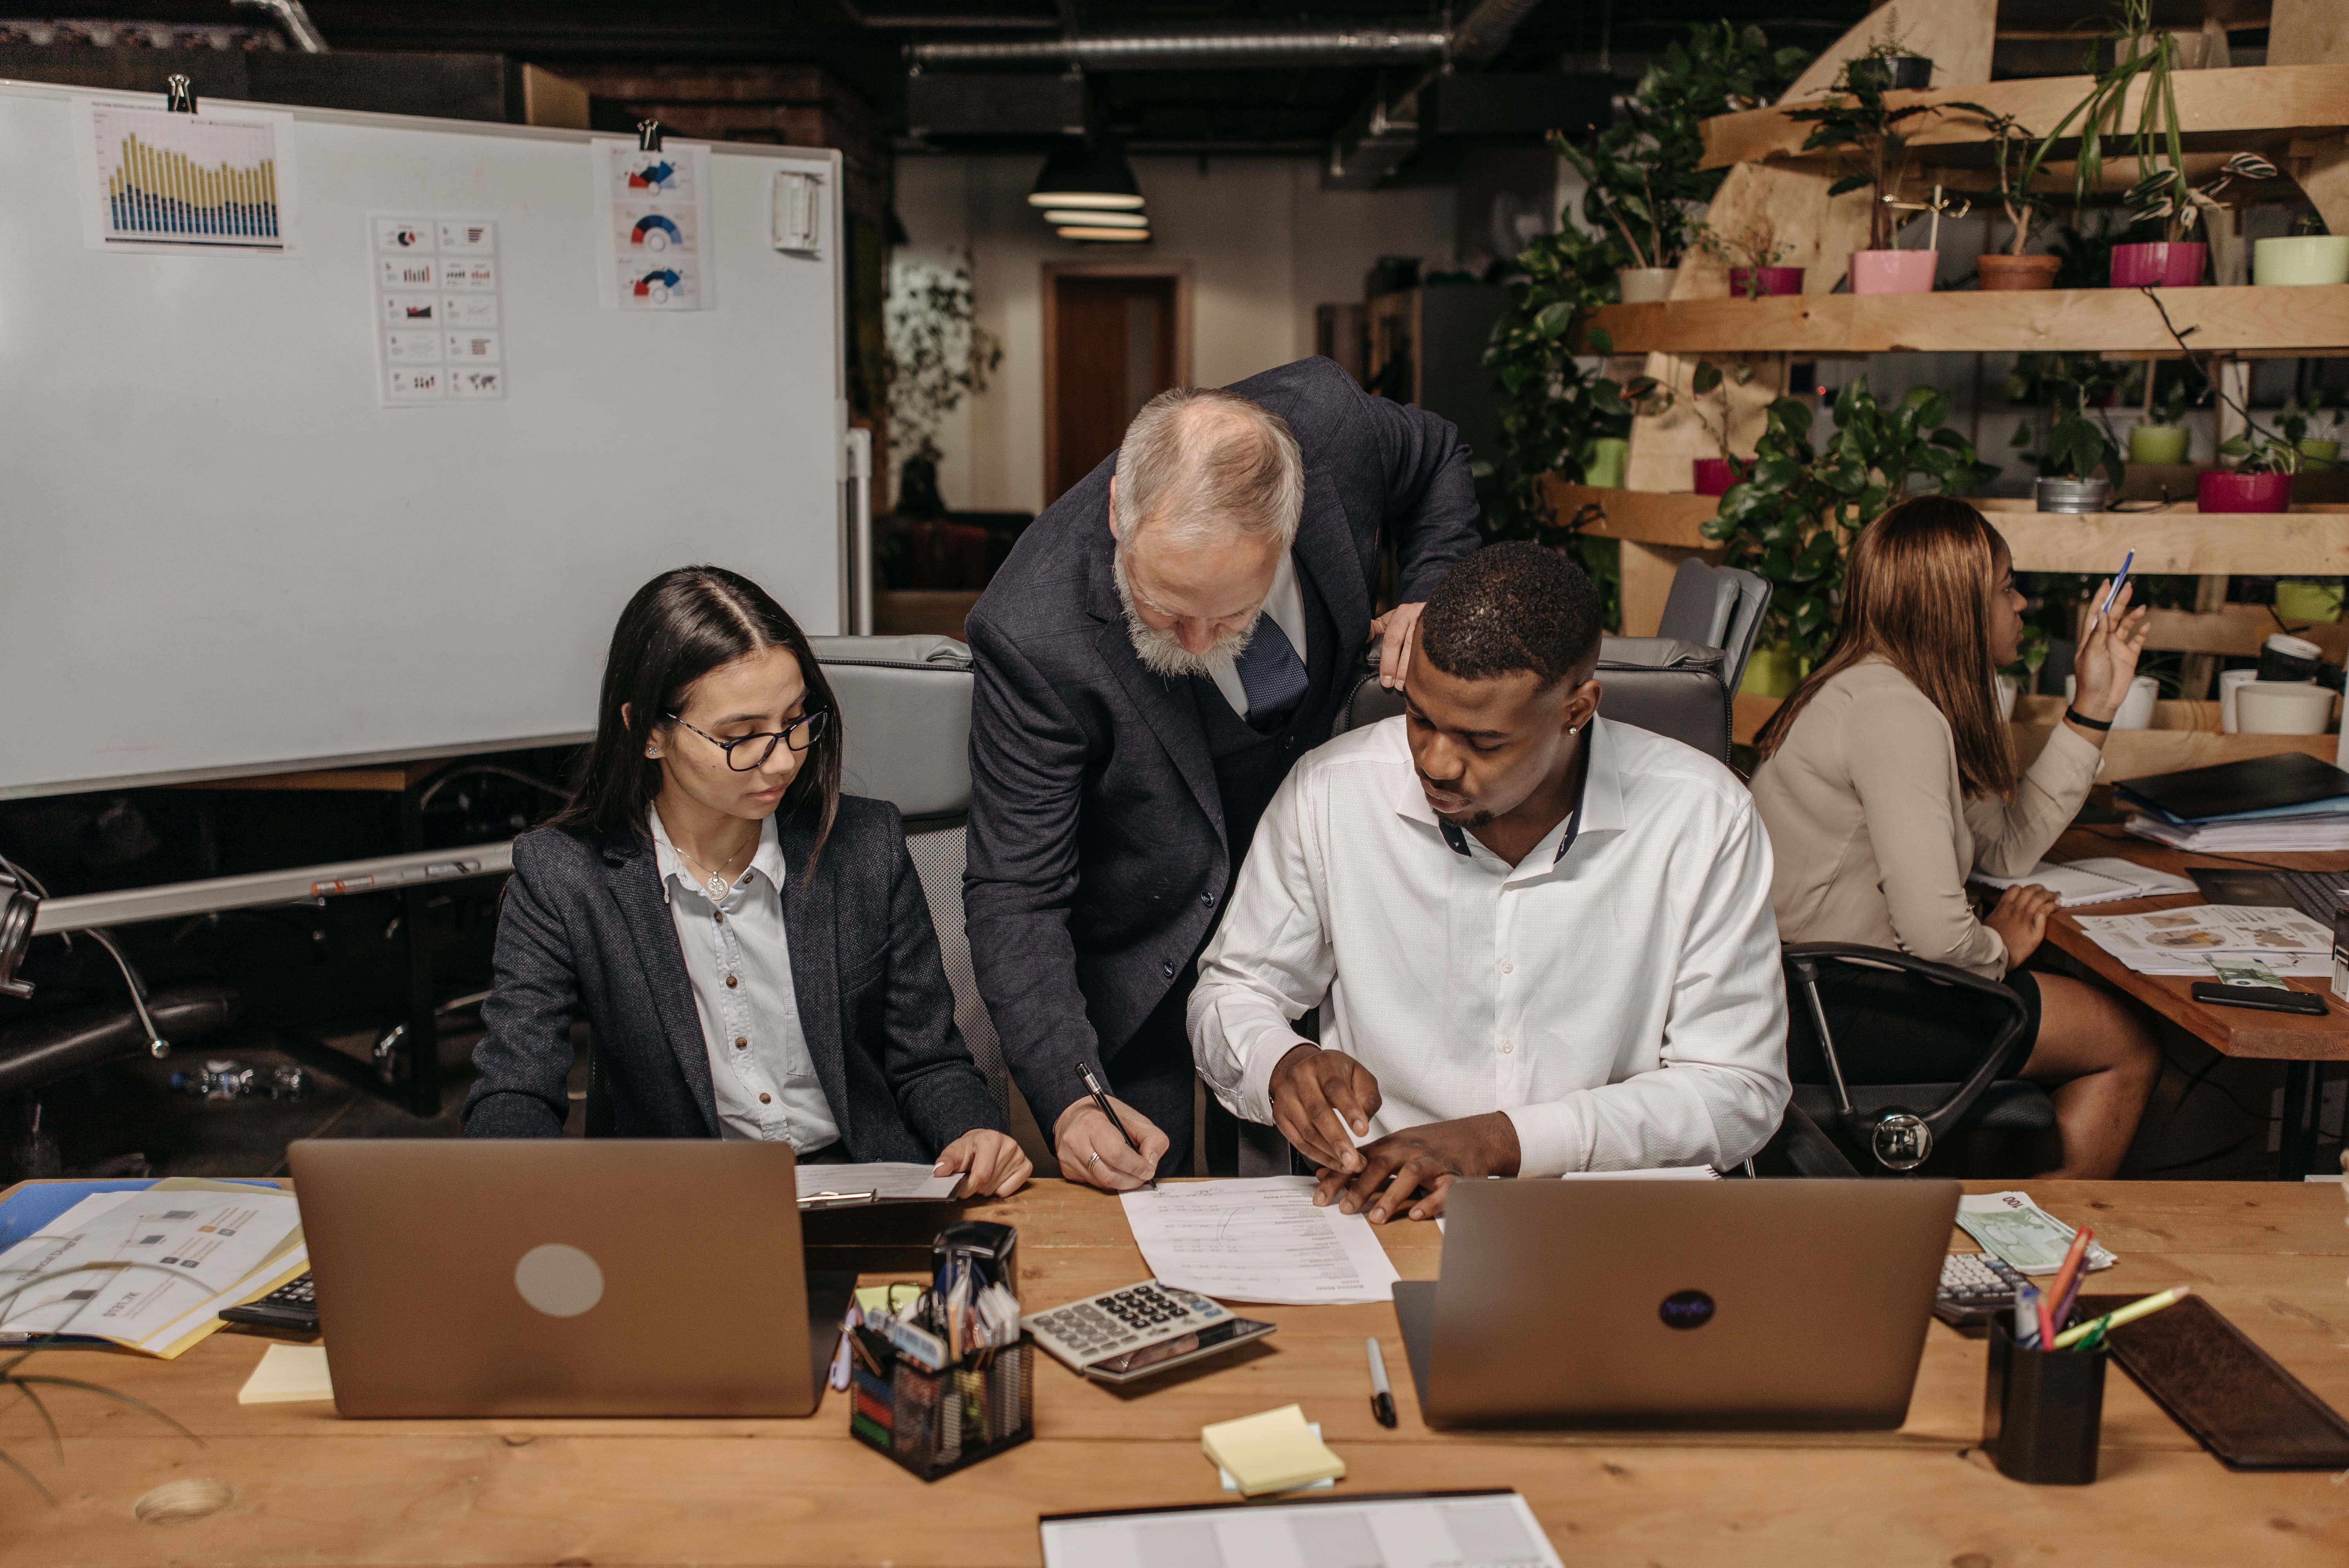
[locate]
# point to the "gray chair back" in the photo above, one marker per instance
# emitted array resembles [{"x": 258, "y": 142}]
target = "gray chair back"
[
  {"x": 1660, "y": 684},
  {"x": 1717, "y": 607}
]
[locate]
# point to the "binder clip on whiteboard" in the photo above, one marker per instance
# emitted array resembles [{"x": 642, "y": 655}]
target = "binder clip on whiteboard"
[
  {"x": 179, "y": 95},
  {"x": 799, "y": 212},
  {"x": 649, "y": 136}
]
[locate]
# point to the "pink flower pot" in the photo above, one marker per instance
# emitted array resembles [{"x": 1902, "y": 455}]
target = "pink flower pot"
[
  {"x": 1894, "y": 272},
  {"x": 2159, "y": 265},
  {"x": 1715, "y": 476},
  {"x": 1759, "y": 282},
  {"x": 2222, "y": 490}
]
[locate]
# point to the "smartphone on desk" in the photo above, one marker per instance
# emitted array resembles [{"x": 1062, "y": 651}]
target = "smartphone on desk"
[{"x": 2267, "y": 998}]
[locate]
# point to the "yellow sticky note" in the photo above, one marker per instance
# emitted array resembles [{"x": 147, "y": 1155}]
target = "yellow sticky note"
[
  {"x": 1273, "y": 1451},
  {"x": 288, "y": 1375}
]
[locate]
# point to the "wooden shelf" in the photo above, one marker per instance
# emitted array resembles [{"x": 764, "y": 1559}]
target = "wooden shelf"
[
  {"x": 2245, "y": 108},
  {"x": 2312, "y": 320}
]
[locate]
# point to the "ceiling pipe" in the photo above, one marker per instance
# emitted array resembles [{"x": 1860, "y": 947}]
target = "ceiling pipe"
[
  {"x": 1162, "y": 51},
  {"x": 294, "y": 20},
  {"x": 1384, "y": 133}
]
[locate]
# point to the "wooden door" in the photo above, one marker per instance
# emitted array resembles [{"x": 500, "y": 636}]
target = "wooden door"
[{"x": 1115, "y": 337}]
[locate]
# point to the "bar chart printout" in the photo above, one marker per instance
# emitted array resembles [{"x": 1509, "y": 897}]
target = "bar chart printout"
[{"x": 157, "y": 180}]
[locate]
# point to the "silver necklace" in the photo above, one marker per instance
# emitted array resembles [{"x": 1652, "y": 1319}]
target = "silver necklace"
[{"x": 717, "y": 886}]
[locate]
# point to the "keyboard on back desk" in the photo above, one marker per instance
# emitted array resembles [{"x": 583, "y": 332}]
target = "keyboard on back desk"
[{"x": 2319, "y": 894}]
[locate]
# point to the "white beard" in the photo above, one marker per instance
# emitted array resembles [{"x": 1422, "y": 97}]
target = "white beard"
[{"x": 1162, "y": 652}]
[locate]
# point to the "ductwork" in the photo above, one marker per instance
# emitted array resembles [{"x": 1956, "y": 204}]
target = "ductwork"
[
  {"x": 294, "y": 20},
  {"x": 1165, "y": 51},
  {"x": 1486, "y": 31}
]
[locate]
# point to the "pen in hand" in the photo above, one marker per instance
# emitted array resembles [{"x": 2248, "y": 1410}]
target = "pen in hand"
[{"x": 1093, "y": 1087}]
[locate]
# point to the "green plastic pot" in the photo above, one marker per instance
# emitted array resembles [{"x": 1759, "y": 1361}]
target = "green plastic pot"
[
  {"x": 2321, "y": 453},
  {"x": 2313, "y": 604},
  {"x": 2157, "y": 443},
  {"x": 1604, "y": 465},
  {"x": 2300, "y": 259},
  {"x": 1771, "y": 672}
]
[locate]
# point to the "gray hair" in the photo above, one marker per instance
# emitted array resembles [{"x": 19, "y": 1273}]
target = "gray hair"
[{"x": 1199, "y": 464}]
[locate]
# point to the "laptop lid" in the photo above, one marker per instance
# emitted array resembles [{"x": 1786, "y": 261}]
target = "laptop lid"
[
  {"x": 559, "y": 1277},
  {"x": 1704, "y": 1305}
]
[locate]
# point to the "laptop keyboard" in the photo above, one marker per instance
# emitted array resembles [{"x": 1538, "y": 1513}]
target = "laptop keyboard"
[{"x": 2319, "y": 894}]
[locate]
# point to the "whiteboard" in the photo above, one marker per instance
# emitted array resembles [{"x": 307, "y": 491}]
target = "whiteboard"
[{"x": 219, "y": 556}]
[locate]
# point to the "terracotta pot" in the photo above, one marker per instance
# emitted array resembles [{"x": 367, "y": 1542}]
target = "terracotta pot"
[
  {"x": 2223, "y": 490},
  {"x": 1645, "y": 285},
  {"x": 1761, "y": 282},
  {"x": 2002, "y": 274},
  {"x": 1894, "y": 272},
  {"x": 2159, "y": 265},
  {"x": 1715, "y": 476}
]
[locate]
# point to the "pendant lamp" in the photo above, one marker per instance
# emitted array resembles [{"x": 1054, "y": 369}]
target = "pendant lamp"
[{"x": 1089, "y": 175}]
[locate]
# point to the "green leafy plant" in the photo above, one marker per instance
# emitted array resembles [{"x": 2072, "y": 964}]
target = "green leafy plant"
[
  {"x": 2079, "y": 439},
  {"x": 1858, "y": 117},
  {"x": 2015, "y": 155},
  {"x": 2257, "y": 453},
  {"x": 1755, "y": 246},
  {"x": 2169, "y": 408},
  {"x": 2318, "y": 419},
  {"x": 1709, "y": 384},
  {"x": 1794, "y": 517},
  {"x": 937, "y": 354}
]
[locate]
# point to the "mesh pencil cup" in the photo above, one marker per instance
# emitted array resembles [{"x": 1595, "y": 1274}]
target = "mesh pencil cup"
[{"x": 934, "y": 1423}]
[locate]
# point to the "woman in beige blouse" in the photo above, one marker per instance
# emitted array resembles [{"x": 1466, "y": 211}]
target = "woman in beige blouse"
[{"x": 1889, "y": 778}]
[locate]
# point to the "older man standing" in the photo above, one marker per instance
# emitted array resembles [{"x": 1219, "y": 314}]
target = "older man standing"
[{"x": 1158, "y": 651}]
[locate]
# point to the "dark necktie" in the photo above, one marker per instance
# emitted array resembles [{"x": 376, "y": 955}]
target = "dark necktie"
[{"x": 1272, "y": 675}]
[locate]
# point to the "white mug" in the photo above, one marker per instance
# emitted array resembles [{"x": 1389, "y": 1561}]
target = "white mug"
[
  {"x": 2137, "y": 708},
  {"x": 2228, "y": 680}
]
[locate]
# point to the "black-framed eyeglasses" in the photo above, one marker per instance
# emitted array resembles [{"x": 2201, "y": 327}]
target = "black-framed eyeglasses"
[{"x": 799, "y": 735}]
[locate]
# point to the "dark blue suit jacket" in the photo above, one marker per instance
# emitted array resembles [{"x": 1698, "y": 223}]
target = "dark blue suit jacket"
[
  {"x": 584, "y": 923},
  {"x": 1097, "y": 853}
]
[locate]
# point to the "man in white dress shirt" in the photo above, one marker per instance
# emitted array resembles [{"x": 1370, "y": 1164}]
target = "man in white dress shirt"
[{"x": 1541, "y": 942}]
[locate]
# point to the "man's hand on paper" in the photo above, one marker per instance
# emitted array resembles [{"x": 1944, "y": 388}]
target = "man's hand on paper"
[
  {"x": 2019, "y": 919},
  {"x": 1083, "y": 1132},
  {"x": 992, "y": 1163},
  {"x": 1429, "y": 1157},
  {"x": 1320, "y": 1098}
]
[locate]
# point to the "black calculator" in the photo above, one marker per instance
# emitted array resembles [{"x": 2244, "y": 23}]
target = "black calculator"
[
  {"x": 1975, "y": 1288},
  {"x": 293, "y": 1306}
]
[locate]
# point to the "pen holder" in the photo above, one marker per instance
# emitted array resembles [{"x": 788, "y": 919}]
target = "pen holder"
[
  {"x": 936, "y": 1422},
  {"x": 2043, "y": 1411}
]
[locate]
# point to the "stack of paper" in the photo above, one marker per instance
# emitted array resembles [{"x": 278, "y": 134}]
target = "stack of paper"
[
  {"x": 2103, "y": 880},
  {"x": 1275, "y": 1451},
  {"x": 1257, "y": 1239},
  {"x": 2297, "y": 833},
  {"x": 2192, "y": 940},
  {"x": 150, "y": 1267},
  {"x": 2287, "y": 801}
]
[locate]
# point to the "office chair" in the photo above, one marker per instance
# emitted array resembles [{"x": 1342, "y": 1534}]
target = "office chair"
[
  {"x": 1664, "y": 685},
  {"x": 1717, "y": 607},
  {"x": 1896, "y": 1128}
]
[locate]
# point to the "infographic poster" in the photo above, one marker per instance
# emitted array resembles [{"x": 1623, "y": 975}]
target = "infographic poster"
[
  {"x": 440, "y": 322},
  {"x": 652, "y": 227},
  {"x": 161, "y": 183}
]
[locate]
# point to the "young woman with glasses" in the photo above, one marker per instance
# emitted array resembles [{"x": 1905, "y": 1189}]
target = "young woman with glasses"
[{"x": 751, "y": 947}]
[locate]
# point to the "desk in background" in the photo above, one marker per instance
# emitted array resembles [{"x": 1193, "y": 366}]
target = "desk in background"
[
  {"x": 2303, "y": 1042},
  {"x": 312, "y": 1487}
]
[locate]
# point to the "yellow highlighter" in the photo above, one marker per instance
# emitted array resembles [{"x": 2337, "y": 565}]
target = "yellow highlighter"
[{"x": 2129, "y": 1314}]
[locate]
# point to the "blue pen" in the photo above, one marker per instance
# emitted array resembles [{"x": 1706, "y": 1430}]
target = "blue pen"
[
  {"x": 2026, "y": 1317},
  {"x": 2126, "y": 562}
]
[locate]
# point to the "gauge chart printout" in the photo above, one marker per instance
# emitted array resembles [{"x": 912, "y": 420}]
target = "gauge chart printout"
[
  {"x": 157, "y": 183},
  {"x": 439, "y": 320},
  {"x": 652, "y": 225},
  {"x": 1257, "y": 1239}
]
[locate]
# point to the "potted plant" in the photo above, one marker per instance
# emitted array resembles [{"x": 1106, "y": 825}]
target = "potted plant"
[
  {"x": 2016, "y": 155},
  {"x": 1793, "y": 517},
  {"x": 1751, "y": 255},
  {"x": 1858, "y": 117},
  {"x": 2166, "y": 197},
  {"x": 2077, "y": 445},
  {"x": 2162, "y": 437},
  {"x": 2261, "y": 480},
  {"x": 1889, "y": 61},
  {"x": 2308, "y": 255},
  {"x": 1710, "y": 384},
  {"x": 2313, "y": 428}
]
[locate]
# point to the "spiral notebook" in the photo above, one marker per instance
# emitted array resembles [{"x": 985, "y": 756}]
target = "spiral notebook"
[{"x": 2104, "y": 880}]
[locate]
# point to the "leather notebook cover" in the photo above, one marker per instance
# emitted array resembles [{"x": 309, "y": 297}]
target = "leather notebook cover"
[
  {"x": 2225, "y": 1390},
  {"x": 2254, "y": 783}
]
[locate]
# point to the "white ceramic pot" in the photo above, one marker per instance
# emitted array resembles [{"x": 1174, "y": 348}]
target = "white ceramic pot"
[
  {"x": 2283, "y": 707},
  {"x": 1645, "y": 285},
  {"x": 2137, "y": 708}
]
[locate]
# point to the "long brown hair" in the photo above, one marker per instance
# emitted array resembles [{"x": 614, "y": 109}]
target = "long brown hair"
[
  {"x": 677, "y": 628},
  {"x": 1916, "y": 593}
]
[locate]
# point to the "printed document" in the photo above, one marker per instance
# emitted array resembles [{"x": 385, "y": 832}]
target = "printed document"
[
  {"x": 2185, "y": 942},
  {"x": 883, "y": 1179},
  {"x": 142, "y": 1269},
  {"x": 1258, "y": 1240},
  {"x": 1431, "y": 1530}
]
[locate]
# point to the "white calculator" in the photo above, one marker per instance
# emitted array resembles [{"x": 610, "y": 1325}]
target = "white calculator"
[{"x": 1120, "y": 1335}]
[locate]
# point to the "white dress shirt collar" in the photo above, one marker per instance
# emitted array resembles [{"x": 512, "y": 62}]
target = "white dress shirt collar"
[
  {"x": 671, "y": 867},
  {"x": 1601, "y": 809}
]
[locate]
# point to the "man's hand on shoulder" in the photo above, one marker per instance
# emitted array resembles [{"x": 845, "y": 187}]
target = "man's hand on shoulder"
[
  {"x": 1319, "y": 1098},
  {"x": 1423, "y": 1160},
  {"x": 1398, "y": 626}
]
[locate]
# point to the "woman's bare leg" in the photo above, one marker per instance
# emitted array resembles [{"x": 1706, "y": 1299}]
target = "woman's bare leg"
[{"x": 2099, "y": 1061}]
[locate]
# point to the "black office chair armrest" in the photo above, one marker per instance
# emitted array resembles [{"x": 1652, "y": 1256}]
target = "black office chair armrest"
[
  {"x": 45, "y": 1050},
  {"x": 1902, "y": 1138}
]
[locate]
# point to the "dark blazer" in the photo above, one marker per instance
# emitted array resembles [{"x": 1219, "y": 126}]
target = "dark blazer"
[
  {"x": 586, "y": 924},
  {"x": 1097, "y": 853}
]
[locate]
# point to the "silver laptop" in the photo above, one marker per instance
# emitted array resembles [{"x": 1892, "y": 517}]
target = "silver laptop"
[
  {"x": 1769, "y": 1304},
  {"x": 561, "y": 1277}
]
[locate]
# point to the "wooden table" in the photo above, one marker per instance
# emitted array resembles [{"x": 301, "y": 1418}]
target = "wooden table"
[
  {"x": 2234, "y": 1030},
  {"x": 312, "y": 1487}
]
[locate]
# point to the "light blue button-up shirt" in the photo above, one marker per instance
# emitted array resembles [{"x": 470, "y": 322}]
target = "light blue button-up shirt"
[{"x": 739, "y": 959}]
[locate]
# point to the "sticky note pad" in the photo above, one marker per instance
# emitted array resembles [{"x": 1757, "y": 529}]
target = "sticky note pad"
[
  {"x": 1275, "y": 1451},
  {"x": 288, "y": 1375}
]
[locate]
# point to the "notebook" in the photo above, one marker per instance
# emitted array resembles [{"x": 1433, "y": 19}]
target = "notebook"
[
  {"x": 2234, "y": 789},
  {"x": 2103, "y": 880}
]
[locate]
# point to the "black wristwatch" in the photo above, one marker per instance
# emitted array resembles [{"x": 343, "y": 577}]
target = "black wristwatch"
[{"x": 2084, "y": 722}]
